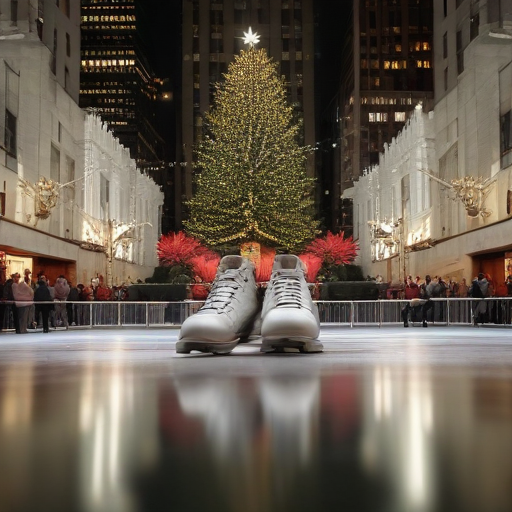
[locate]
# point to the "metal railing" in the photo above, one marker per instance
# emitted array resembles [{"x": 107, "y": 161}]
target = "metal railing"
[{"x": 97, "y": 314}]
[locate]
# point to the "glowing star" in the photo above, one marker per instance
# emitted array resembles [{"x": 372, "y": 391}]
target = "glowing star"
[{"x": 250, "y": 38}]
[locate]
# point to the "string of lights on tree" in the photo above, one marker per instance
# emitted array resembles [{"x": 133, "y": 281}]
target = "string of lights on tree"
[{"x": 252, "y": 183}]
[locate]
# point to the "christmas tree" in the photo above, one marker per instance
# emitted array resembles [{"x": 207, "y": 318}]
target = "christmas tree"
[{"x": 252, "y": 184}]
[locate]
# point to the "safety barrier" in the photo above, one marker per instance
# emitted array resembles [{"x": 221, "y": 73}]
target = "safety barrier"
[{"x": 348, "y": 313}]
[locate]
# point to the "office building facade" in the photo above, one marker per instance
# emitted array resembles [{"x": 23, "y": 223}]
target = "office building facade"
[{"x": 66, "y": 181}]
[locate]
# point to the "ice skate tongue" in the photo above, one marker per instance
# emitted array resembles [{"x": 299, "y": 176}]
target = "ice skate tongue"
[{"x": 230, "y": 262}]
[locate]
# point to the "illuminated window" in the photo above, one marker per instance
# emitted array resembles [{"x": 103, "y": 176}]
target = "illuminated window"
[
  {"x": 400, "y": 117},
  {"x": 426, "y": 46},
  {"x": 398, "y": 48},
  {"x": 377, "y": 117},
  {"x": 387, "y": 64}
]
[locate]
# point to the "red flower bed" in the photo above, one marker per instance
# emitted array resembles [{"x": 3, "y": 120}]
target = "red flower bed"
[
  {"x": 313, "y": 264},
  {"x": 334, "y": 249},
  {"x": 178, "y": 249}
]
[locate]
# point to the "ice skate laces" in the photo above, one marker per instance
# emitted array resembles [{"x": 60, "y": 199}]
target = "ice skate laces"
[
  {"x": 288, "y": 290},
  {"x": 223, "y": 289}
]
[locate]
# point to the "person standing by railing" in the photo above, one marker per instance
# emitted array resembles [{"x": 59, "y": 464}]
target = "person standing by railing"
[
  {"x": 427, "y": 291},
  {"x": 412, "y": 290},
  {"x": 42, "y": 294},
  {"x": 7, "y": 296},
  {"x": 103, "y": 292},
  {"x": 61, "y": 294},
  {"x": 453, "y": 288},
  {"x": 24, "y": 299},
  {"x": 71, "y": 307},
  {"x": 463, "y": 289},
  {"x": 479, "y": 290}
]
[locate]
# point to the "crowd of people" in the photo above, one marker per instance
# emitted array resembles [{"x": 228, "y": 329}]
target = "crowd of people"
[
  {"x": 419, "y": 293},
  {"x": 31, "y": 304}
]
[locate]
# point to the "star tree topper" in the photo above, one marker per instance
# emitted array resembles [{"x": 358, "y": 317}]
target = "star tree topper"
[{"x": 250, "y": 38}]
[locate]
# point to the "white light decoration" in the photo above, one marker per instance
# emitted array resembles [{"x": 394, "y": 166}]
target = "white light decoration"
[{"x": 250, "y": 38}]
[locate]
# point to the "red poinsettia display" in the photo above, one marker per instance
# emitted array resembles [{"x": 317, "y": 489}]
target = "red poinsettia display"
[
  {"x": 264, "y": 266},
  {"x": 204, "y": 269},
  {"x": 205, "y": 266},
  {"x": 313, "y": 265},
  {"x": 178, "y": 249},
  {"x": 334, "y": 249}
]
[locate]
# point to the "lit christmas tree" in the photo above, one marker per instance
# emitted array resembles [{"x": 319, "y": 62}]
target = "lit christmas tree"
[{"x": 252, "y": 184}]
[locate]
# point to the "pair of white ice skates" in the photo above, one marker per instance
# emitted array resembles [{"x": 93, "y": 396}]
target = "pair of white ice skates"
[{"x": 287, "y": 321}]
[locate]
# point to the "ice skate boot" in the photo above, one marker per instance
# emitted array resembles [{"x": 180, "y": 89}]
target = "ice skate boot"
[
  {"x": 228, "y": 312},
  {"x": 289, "y": 316}
]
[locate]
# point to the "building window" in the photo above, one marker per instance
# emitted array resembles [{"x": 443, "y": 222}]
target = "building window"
[
  {"x": 445, "y": 79},
  {"x": 55, "y": 164},
  {"x": 399, "y": 117},
  {"x": 460, "y": 53},
  {"x": 54, "y": 57},
  {"x": 14, "y": 11},
  {"x": 10, "y": 133},
  {"x": 378, "y": 117},
  {"x": 64, "y": 7},
  {"x": 70, "y": 178},
  {"x": 445, "y": 45},
  {"x": 474, "y": 23},
  {"x": 505, "y": 79},
  {"x": 104, "y": 197},
  {"x": 68, "y": 45}
]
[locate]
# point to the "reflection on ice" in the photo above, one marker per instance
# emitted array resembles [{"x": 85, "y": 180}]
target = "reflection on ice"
[
  {"x": 290, "y": 412},
  {"x": 397, "y": 440},
  {"x": 224, "y": 411},
  {"x": 116, "y": 436}
]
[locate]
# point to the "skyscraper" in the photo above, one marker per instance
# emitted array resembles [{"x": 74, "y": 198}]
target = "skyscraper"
[
  {"x": 117, "y": 80},
  {"x": 213, "y": 32},
  {"x": 387, "y": 72}
]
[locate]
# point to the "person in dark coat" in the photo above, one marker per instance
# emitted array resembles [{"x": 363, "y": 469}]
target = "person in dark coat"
[
  {"x": 71, "y": 307},
  {"x": 42, "y": 294},
  {"x": 8, "y": 297}
]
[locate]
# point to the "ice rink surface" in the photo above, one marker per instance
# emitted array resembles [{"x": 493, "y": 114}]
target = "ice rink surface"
[{"x": 385, "y": 419}]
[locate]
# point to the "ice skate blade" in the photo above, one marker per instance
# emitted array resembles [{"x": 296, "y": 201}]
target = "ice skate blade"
[
  {"x": 209, "y": 347},
  {"x": 280, "y": 345}
]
